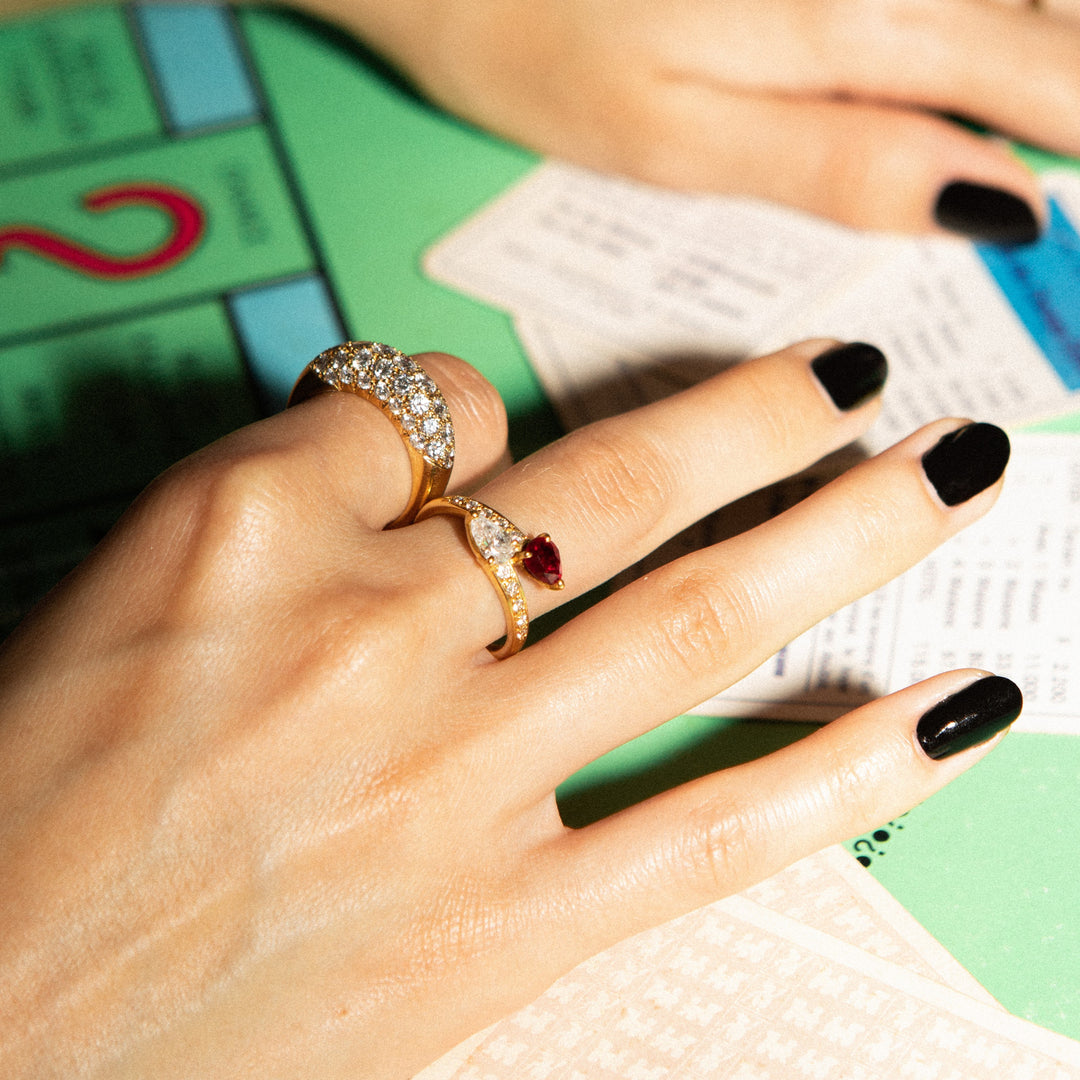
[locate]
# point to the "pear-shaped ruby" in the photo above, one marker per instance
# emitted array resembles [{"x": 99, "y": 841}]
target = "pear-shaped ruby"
[{"x": 540, "y": 557}]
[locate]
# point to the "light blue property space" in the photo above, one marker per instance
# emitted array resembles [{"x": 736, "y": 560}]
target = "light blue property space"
[
  {"x": 1042, "y": 282},
  {"x": 197, "y": 65},
  {"x": 282, "y": 325}
]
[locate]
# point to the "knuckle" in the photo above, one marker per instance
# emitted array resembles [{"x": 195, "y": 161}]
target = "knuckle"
[
  {"x": 239, "y": 502},
  {"x": 783, "y": 426},
  {"x": 218, "y": 525},
  {"x": 848, "y": 173},
  {"x": 352, "y": 633},
  {"x": 848, "y": 789},
  {"x": 708, "y": 618},
  {"x": 358, "y": 626},
  {"x": 882, "y": 527},
  {"x": 863, "y": 783},
  {"x": 472, "y": 915},
  {"x": 719, "y": 848}
]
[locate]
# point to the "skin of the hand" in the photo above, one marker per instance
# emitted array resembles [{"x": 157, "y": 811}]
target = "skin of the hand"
[
  {"x": 268, "y": 807},
  {"x": 833, "y": 106}
]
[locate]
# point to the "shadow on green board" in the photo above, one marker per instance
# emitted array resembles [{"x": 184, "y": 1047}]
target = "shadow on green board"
[
  {"x": 340, "y": 41},
  {"x": 679, "y": 751},
  {"x": 81, "y": 455}
]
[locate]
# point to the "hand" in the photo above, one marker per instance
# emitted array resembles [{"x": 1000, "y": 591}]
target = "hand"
[
  {"x": 830, "y": 105},
  {"x": 268, "y": 806}
]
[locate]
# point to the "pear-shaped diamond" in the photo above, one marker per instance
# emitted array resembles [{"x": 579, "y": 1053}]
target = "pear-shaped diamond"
[{"x": 493, "y": 540}]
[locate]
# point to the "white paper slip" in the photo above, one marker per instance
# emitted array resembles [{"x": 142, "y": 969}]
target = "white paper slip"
[
  {"x": 956, "y": 344},
  {"x": 652, "y": 270},
  {"x": 1003, "y": 595},
  {"x": 738, "y": 992},
  {"x": 616, "y": 286},
  {"x": 831, "y": 893}
]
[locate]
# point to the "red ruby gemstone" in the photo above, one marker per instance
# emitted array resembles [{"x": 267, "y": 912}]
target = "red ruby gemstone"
[{"x": 540, "y": 557}]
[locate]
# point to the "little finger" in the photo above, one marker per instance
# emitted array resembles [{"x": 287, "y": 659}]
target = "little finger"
[{"x": 717, "y": 835}]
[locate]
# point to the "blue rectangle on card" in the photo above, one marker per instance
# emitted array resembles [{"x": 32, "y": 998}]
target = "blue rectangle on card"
[
  {"x": 282, "y": 326},
  {"x": 1042, "y": 283},
  {"x": 197, "y": 65}
]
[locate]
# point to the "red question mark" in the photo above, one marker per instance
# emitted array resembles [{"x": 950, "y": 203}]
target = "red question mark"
[{"x": 188, "y": 223}]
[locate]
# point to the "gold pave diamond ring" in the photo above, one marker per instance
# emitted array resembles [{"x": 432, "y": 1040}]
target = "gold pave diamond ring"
[
  {"x": 408, "y": 397},
  {"x": 500, "y": 548}
]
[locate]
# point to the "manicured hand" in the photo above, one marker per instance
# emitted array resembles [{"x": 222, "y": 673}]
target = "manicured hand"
[
  {"x": 835, "y": 106},
  {"x": 268, "y": 805}
]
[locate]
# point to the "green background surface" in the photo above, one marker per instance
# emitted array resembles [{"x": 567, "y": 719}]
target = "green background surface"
[
  {"x": 989, "y": 865},
  {"x": 146, "y": 388},
  {"x": 70, "y": 81},
  {"x": 232, "y": 171}
]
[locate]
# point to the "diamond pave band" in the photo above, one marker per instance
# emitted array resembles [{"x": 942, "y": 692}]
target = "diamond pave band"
[
  {"x": 500, "y": 548},
  {"x": 408, "y": 397}
]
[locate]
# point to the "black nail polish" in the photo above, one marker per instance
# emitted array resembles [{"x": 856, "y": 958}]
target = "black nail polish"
[
  {"x": 969, "y": 717},
  {"x": 966, "y": 461},
  {"x": 851, "y": 373},
  {"x": 986, "y": 213}
]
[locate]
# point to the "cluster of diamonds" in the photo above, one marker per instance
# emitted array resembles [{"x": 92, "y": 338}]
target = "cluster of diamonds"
[
  {"x": 499, "y": 541},
  {"x": 400, "y": 386}
]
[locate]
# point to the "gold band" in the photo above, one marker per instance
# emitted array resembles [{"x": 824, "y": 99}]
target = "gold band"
[
  {"x": 500, "y": 548},
  {"x": 408, "y": 397}
]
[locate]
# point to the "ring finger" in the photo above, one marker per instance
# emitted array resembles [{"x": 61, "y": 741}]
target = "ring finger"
[{"x": 612, "y": 492}]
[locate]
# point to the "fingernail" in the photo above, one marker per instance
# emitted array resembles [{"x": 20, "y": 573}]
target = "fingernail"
[
  {"x": 966, "y": 461},
  {"x": 969, "y": 717},
  {"x": 986, "y": 213},
  {"x": 851, "y": 373}
]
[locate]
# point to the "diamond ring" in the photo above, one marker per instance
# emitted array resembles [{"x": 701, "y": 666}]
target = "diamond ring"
[
  {"x": 408, "y": 397},
  {"x": 501, "y": 548}
]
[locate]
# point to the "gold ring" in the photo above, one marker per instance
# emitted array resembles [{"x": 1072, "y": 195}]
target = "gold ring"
[
  {"x": 500, "y": 548},
  {"x": 409, "y": 398}
]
